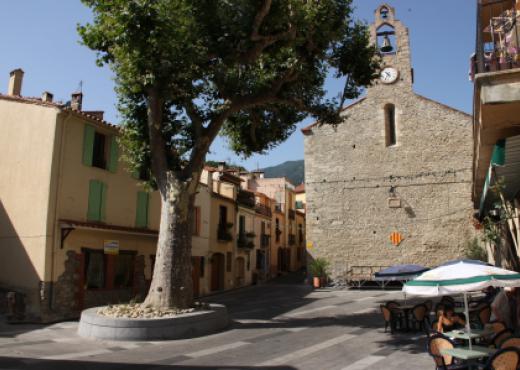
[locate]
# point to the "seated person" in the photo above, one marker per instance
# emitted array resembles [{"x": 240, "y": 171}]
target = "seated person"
[{"x": 449, "y": 321}]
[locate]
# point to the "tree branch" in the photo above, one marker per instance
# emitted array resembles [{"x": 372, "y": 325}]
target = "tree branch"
[
  {"x": 157, "y": 144},
  {"x": 259, "y": 18}
]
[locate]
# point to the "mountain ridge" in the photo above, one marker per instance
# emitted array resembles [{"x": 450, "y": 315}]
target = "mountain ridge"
[{"x": 292, "y": 170}]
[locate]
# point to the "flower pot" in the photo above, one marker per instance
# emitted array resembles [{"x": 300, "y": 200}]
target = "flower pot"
[{"x": 316, "y": 282}]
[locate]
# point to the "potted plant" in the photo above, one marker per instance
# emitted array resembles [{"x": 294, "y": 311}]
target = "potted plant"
[{"x": 318, "y": 268}]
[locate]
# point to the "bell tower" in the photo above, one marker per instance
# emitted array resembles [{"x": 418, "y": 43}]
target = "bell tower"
[{"x": 393, "y": 42}]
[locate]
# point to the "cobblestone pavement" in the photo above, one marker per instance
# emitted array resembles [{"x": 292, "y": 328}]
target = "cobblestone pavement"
[{"x": 275, "y": 326}]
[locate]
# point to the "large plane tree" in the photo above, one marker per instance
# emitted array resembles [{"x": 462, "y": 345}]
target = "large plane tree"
[{"x": 189, "y": 70}]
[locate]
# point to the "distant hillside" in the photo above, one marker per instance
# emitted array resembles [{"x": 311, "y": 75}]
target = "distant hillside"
[{"x": 293, "y": 170}]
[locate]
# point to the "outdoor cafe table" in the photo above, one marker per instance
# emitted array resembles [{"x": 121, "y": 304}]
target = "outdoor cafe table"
[
  {"x": 462, "y": 334},
  {"x": 470, "y": 355}
]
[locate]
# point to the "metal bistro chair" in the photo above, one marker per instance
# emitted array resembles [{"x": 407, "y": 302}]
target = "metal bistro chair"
[
  {"x": 504, "y": 359},
  {"x": 500, "y": 337},
  {"x": 419, "y": 314},
  {"x": 511, "y": 342},
  {"x": 438, "y": 342},
  {"x": 389, "y": 317}
]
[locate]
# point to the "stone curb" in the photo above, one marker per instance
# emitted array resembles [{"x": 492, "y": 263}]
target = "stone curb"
[{"x": 187, "y": 325}]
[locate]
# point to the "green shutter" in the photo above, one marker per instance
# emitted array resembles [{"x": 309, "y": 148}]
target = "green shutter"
[
  {"x": 498, "y": 157},
  {"x": 141, "y": 216},
  {"x": 102, "y": 208},
  {"x": 88, "y": 145},
  {"x": 94, "y": 201},
  {"x": 113, "y": 158}
]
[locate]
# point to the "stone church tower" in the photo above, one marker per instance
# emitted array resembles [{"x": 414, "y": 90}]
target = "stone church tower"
[{"x": 391, "y": 184}]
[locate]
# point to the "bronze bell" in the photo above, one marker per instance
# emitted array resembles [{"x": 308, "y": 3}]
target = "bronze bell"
[{"x": 387, "y": 45}]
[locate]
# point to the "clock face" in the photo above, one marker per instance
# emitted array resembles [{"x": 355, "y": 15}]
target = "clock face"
[{"x": 389, "y": 75}]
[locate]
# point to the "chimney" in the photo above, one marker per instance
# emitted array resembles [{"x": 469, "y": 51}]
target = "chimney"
[
  {"x": 221, "y": 166},
  {"x": 76, "y": 101},
  {"x": 15, "y": 82},
  {"x": 47, "y": 97}
]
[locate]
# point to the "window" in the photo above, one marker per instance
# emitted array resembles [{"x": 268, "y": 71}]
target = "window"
[
  {"x": 196, "y": 221},
  {"x": 95, "y": 269},
  {"x": 242, "y": 225},
  {"x": 222, "y": 215},
  {"x": 300, "y": 233},
  {"x": 96, "y": 201},
  {"x": 106, "y": 271},
  {"x": 277, "y": 230},
  {"x": 390, "y": 134},
  {"x": 124, "y": 270},
  {"x": 99, "y": 150},
  {"x": 141, "y": 214},
  {"x": 229, "y": 261}
]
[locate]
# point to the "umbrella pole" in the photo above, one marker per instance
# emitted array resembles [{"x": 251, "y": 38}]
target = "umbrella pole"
[{"x": 466, "y": 313}]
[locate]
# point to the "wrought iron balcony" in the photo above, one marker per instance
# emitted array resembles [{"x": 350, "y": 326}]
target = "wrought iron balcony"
[
  {"x": 498, "y": 37},
  {"x": 263, "y": 210},
  {"x": 246, "y": 198},
  {"x": 223, "y": 232},
  {"x": 246, "y": 240}
]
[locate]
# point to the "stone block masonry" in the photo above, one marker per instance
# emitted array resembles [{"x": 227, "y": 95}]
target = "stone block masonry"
[{"x": 360, "y": 189}]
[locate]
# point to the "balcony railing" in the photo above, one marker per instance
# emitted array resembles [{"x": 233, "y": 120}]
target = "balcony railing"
[
  {"x": 263, "y": 210},
  {"x": 245, "y": 240},
  {"x": 292, "y": 239},
  {"x": 246, "y": 198},
  {"x": 498, "y": 36},
  {"x": 223, "y": 233}
]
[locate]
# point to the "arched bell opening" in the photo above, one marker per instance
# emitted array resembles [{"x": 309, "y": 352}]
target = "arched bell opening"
[{"x": 386, "y": 40}]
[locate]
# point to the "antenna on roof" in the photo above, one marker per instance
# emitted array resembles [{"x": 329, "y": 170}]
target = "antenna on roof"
[{"x": 80, "y": 87}]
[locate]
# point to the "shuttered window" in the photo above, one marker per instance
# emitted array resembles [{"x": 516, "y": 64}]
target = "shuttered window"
[
  {"x": 113, "y": 155},
  {"x": 99, "y": 150},
  {"x": 96, "y": 201},
  {"x": 88, "y": 145},
  {"x": 141, "y": 216}
]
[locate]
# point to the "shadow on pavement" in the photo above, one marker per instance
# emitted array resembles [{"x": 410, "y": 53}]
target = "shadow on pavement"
[{"x": 33, "y": 364}]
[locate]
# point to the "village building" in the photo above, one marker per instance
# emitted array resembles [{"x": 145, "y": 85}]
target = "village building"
[
  {"x": 77, "y": 229},
  {"x": 391, "y": 184},
  {"x": 496, "y": 167},
  {"x": 284, "y": 255}
]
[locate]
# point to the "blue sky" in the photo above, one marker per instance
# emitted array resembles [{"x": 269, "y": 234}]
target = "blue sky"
[{"x": 41, "y": 38}]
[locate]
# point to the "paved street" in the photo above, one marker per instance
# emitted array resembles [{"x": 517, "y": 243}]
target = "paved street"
[{"x": 275, "y": 326}]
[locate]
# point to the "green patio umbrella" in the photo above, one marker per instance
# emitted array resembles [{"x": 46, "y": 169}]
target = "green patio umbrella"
[{"x": 461, "y": 278}]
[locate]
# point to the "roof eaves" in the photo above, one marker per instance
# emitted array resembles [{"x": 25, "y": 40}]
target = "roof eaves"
[{"x": 308, "y": 129}]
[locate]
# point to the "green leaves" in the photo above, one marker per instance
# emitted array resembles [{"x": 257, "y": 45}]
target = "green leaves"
[{"x": 253, "y": 68}]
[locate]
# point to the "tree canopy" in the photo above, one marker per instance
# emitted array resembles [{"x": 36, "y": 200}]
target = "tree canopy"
[{"x": 252, "y": 68}]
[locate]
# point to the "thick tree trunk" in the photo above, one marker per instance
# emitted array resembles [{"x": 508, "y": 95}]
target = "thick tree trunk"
[{"x": 172, "y": 284}]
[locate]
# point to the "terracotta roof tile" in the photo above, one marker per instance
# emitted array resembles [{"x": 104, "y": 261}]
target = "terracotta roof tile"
[{"x": 300, "y": 188}]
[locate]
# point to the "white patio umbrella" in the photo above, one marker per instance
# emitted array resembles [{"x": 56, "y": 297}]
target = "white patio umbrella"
[{"x": 461, "y": 278}]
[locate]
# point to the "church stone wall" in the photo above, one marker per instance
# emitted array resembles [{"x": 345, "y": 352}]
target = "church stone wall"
[{"x": 350, "y": 171}]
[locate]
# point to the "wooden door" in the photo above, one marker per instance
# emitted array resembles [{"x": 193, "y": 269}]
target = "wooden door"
[
  {"x": 195, "y": 275},
  {"x": 217, "y": 272}
]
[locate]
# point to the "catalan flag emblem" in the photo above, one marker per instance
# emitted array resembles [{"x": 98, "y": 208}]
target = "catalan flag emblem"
[{"x": 396, "y": 238}]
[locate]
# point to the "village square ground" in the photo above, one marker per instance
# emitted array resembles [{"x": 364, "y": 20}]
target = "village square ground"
[{"x": 283, "y": 325}]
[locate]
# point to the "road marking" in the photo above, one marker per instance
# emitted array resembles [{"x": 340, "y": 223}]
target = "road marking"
[
  {"x": 67, "y": 356},
  {"x": 364, "y": 299},
  {"x": 366, "y": 310},
  {"x": 296, "y": 330},
  {"x": 210, "y": 351},
  {"x": 312, "y": 310},
  {"x": 254, "y": 321},
  {"x": 364, "y": 363},
  {"x": 282, "y": 360}
]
